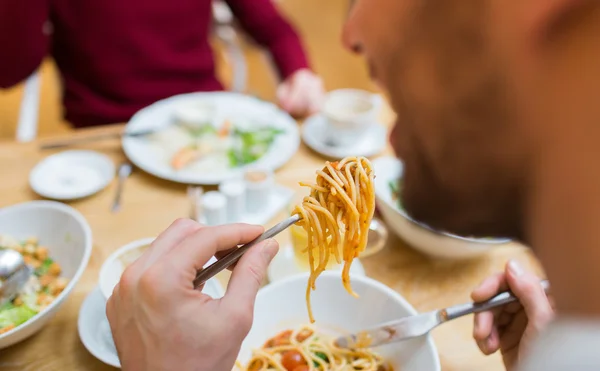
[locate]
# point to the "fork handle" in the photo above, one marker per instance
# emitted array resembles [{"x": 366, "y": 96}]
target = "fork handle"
[
  {"x": 228, "y": 260},
  {"x": 501, "y": 299}
]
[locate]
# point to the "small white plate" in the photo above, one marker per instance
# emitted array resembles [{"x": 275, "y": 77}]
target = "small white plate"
[
  {"x": 285, "y": 265},
  {"x": 71, "y": 175},
  {"x": 314, "y": 135},
  {"x": 154, "y": 158},
  {"x": 94, "y": 329}
]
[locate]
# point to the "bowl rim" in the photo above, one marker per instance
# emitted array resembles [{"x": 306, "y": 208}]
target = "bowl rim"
[
  {"x": 369, "y": 282},
  {"x": 88, "y": 243},
  {"x": 489, "y": 241},
  {"x": 102, "y": 274}
]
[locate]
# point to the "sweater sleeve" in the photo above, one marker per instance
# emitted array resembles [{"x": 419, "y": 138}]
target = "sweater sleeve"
[
  {"x": 23, "y": 40},
  {"x": 269, "y": 28}
]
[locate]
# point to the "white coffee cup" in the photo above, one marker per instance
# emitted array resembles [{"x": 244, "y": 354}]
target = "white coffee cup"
[{"x": 349, "y": 113}]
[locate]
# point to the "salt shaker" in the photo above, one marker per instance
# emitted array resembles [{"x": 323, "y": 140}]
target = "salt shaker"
[
  {"x": 235, "y": 193},
  {"x": 195, "y": 197},
  {"x": 214, "y": 206},
  {"x": 258, "y": 187}
]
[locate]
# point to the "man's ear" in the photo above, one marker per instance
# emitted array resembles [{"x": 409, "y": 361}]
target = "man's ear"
[{"x": 546, "y": 18}]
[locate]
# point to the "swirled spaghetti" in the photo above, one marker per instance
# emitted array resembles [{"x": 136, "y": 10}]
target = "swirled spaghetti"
[
  {"x": 306, "y": 350},
  {"x": 336, "y": 217}
]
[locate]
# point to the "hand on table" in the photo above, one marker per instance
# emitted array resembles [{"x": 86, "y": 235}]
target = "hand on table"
[
  {"x": 512, "y": 328},
  {"x": 158, "y": 320},
  {"x": 301, "y": 94}
]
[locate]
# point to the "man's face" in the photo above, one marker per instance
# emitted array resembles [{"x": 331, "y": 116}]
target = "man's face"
[{"x": 456, "y": 130}]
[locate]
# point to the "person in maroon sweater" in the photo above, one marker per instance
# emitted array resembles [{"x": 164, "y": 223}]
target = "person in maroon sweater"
[{"x": 116, "y": 57}]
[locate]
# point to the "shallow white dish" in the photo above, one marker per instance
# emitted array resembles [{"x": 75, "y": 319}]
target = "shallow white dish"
[
  {"x": 114, "y": 266},
  {"x": 68, "y": 237},
  {"x": 71, "y": 175},
  {"x": 285, "y": 265},
  {"x": 434, "y": 243},
  {"x": 314, "y": 134},
  {"x": 281, "y": 305},
  {"x": 152, "y": 159},
  {"x": 94, "y": 329}
]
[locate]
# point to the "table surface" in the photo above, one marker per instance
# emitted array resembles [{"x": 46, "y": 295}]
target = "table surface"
[{"x": 149, "y": 205}]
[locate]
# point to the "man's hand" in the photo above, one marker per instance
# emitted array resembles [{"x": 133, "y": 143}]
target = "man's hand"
[
  {"x": 301, "y": 94},
  {"x": 158, "y": 320},
  {"x": 512, "y": 328}
]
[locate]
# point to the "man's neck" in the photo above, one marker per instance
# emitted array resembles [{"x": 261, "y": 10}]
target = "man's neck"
[
  {"x": 563, "y": 213},
  {"x": 564, "y": 229}
]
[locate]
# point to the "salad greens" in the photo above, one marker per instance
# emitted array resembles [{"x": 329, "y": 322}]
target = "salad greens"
[
  {"x": 42, "y": 288},
  {"x": 11, "y": 315},
  {"x": 395, "y": 187},
  {"x": 44, "y": 267},
  {"x": 202, "y": 130},
  {"x": 249, "y": 146}
]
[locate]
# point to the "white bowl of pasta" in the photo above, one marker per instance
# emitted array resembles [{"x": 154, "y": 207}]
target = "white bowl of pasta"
[
  {"x": 389, "y": 171},
  {"x": 281, "y": 307}
]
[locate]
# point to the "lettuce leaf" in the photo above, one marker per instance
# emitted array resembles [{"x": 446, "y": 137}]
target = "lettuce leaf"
[{"x": 16, "y": 315}]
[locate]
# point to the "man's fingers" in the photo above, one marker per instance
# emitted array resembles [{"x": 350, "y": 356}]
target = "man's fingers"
[
  {"x": 490, "y": 287},
  {"x": 203, "y": 244},
  {"x": 221, "y": 254},
  {"x": 493, "y": 341},
  {"x": 483, "y": 325},
  {"x": 248, "y": 275},
  {"x": 526, "y": 286},
  {"x": 168, "y": 239}
]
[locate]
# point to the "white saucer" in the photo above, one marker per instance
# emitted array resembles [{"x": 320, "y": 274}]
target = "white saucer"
[
  {"x": 94, "y": 329},
  {"x": 284, "y": 265},
  {"x": 71, "y": 175},
  {"x": 372, "y": 143}
]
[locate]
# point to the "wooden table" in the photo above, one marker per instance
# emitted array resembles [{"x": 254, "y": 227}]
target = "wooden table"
[{"x": 150, "y": 205}]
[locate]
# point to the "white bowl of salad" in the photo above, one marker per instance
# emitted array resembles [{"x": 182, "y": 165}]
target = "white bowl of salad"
[
  {"x": 432, "y": 242},
  {"x": 56, "y": 241}
]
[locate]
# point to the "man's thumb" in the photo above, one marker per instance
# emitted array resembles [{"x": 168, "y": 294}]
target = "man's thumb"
[
  {"x": 527, "y": 287},
  {"x": 249, "y": 274}
]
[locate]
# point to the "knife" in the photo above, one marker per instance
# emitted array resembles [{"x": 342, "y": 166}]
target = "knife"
[{"x": 97, "y": 137}]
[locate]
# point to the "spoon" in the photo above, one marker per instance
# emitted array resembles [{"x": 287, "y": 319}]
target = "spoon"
[
  {"x": 123, "y": 173},
  {"x": 419, "y": 325},
  {"x": 14, "y": 273}
]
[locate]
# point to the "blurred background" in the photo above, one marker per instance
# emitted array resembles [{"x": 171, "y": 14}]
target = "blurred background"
[{"x": 318, "y": 22}]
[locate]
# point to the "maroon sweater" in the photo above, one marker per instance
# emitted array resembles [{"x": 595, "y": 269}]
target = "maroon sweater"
[{"x": 117, "y": 56}]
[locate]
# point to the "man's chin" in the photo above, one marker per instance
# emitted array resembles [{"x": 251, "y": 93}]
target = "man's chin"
[
  {"x": 458, "y": 223},
  {"x": 443, "y": 218}
]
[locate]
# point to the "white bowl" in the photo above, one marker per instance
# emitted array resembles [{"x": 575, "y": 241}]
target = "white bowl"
[
  {"x": 114, "y": 266},
  {"x": 281, "y": 306},
  {"x": 69, "y": 239},
  {"x": 419, "y": 236}
]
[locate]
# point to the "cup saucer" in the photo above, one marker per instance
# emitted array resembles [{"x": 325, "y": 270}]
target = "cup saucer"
[
  {"x": 285, "y": 264},
  {"x": 94, "y": 329},
  {"x": 314, "y": 135}
]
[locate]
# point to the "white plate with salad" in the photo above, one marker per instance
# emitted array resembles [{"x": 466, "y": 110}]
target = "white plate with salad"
[{"x": 206, "y": 138}]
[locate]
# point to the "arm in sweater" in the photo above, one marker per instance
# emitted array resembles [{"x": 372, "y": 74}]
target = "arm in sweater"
[
  {"x": 23, "y": 41},
  {"x": 269, "y": 28}
]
